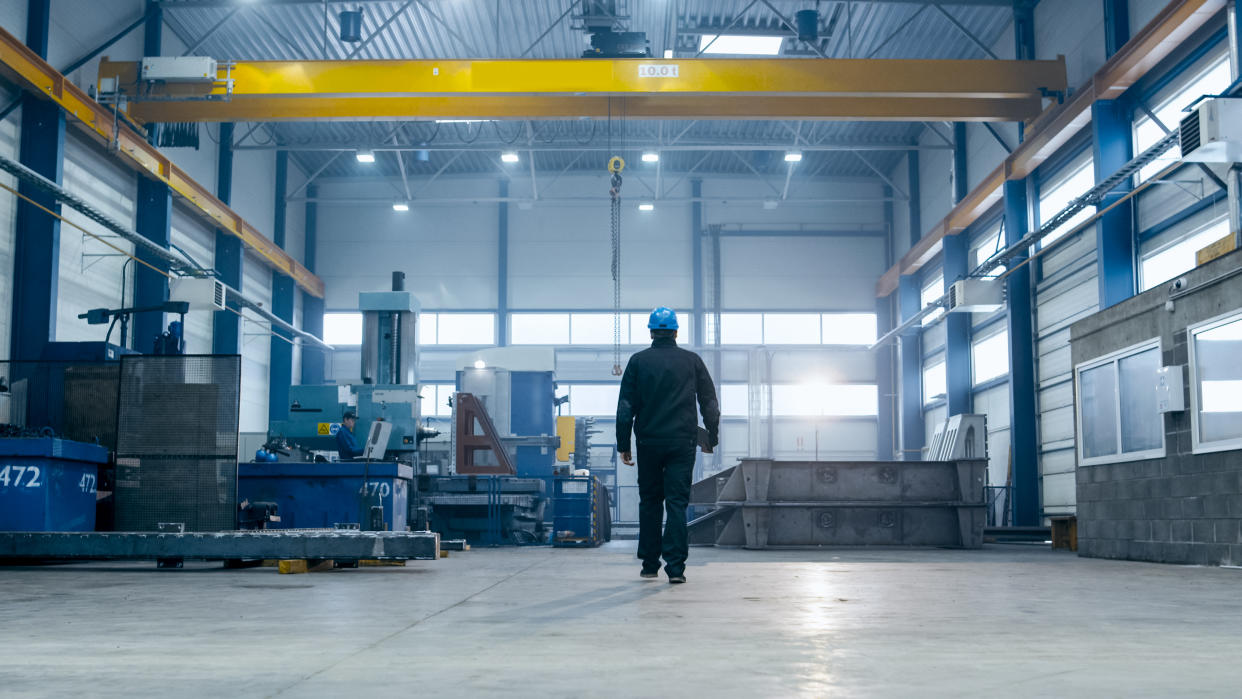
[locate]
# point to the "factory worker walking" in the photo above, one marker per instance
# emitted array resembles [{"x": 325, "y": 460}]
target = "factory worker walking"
[{"x": 657, "y": 402}]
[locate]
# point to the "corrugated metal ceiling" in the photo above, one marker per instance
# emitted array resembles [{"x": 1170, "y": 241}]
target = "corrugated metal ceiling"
[{"x": 290, "y": 30}]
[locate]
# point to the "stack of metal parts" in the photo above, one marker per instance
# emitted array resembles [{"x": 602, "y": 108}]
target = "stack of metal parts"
[
  {"x": 762, "y": 503},
  {"x": 485, "y": 510},
  {"x": 177, "y": 442}
]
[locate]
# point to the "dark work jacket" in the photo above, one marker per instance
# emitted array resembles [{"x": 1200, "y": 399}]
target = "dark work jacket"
[
  {"x": 346, "y": 445},
  {"x": 657, "y": 401}
]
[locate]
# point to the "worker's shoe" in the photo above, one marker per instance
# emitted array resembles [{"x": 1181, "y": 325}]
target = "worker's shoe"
[
  {"x": 676, "y": 579},
  {"x": 650, "y": 573}
]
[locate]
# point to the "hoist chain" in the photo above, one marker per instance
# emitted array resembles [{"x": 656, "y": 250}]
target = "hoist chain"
[{"x": 615, "y": 193}]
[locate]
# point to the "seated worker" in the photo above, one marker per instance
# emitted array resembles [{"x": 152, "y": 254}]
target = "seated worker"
[{"x": 346, "y": 444}]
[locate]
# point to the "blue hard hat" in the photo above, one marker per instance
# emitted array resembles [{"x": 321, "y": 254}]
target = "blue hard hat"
[{"x": 662, "y": 318}]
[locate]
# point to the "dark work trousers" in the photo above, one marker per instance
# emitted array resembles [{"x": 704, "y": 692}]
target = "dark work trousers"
[{"x": 664, "y": 473}]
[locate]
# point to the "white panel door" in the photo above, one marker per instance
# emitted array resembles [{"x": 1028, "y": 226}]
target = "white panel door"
[
  {"x": 8, "y": 235},
  {"x": 90, "y": 270},
  {"x": 1069, "y": 293},
  {"x": 256, "y": 347}
]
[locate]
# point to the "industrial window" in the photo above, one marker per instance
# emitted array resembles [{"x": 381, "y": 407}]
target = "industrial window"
[
  {"x": 539, "y": 328},
  {"x": 435, "y": 398},
  {"x": 985, "y": 249},
  {"x": 791, "y": 329},
  {"x": 1216, "y": 375},
  {"x": 930, "y": 294},
  {"x": 849, "y": 328},
  {"x": 797, "y": 328},
  {"x": 593, "y": 399},
  {"x": 465, "y": 329},
  {"x": 1118, "y": 417},
  {"x": 1057, "y": 194},
  {"x": 1211, "y": 79},
  {"x": 734, "y": 400},
  {"x": 342, "y": 328},
  {"x": 741, "y": 328},
  {"x": 1165, "y": 263},
  {"x": 935, "y": 382},
  {"x": 824, "y": 400},
  {"x": 989, "y": 357},
  {"x": 596, "y": 329}
]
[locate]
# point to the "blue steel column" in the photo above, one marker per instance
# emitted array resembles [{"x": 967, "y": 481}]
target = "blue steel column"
[
  {"x": 886, "y": 355},
  {"x": 1022, "y": 400},
  {"x": 502, "y": 266},
  {"x": 226, "y": 334},
  {"x": 1116, "y": 25},
  {"x": 280, "y": 364},
  {"x": 313, "y": 358},
  {"x": 36, "y": 254},
  {"x": 1113, "y": 147},
  {"x": 957, "y": 330},
  {"x": 912, "y": 431},
  {"x": 1023, "y": 42},
  {"x": 153, "y": 219},
  {"x": 916, "y": 211},
  {"x": 696, "y": 259}
]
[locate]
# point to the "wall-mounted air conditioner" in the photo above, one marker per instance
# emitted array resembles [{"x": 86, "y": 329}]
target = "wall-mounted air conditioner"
[
  {"x": 201, "y": 294},
  {"x": 1212, "y": 133},
  {"x": 976, "y": 296}
]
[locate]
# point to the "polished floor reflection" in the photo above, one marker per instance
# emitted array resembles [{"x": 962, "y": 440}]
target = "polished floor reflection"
[{"x": 1005, "y": 620}]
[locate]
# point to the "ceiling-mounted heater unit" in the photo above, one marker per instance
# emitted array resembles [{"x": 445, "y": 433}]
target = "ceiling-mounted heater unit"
[
  {"x": 1212, "y": 133},
  {"x": 976, "y": 296}
]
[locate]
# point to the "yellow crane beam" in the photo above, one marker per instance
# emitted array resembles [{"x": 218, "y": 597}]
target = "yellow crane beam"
[
  {"x": 23, "y": 68},
  {"x": 879, "y": 89}
]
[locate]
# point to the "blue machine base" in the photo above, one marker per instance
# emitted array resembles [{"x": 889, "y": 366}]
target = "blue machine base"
[
  {"x": 316, "y": 496},
  {"x": 48, "y": 485},
  {"x": 582, "y": 518}
]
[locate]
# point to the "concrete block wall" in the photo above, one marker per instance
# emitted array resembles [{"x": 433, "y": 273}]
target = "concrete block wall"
[{"x": 1183, "y": 508}]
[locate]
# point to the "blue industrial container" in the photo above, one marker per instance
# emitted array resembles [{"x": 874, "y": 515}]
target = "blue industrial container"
[
  {"x": 48, "y": 484},
  {"x": 315, "y": 496},
  {"x": 582, "y": 516}
]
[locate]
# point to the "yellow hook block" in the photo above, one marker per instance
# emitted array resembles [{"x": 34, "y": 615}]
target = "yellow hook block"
[{"x": 616, "y": 164}]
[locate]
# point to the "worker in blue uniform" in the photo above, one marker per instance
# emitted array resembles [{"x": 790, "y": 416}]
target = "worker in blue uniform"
[
  {"x": 346, "y": 444},
  {"x": 659, "y": 390}
]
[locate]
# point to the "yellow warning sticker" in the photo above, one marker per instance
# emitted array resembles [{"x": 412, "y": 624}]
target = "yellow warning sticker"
[{"x": 325, "y": 428}]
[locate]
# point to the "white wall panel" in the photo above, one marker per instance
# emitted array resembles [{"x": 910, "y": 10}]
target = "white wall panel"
[
  {"x": 994, "y": 403},
  {"x": 1075, "y": 29},
  {"x": 935, "y": 178},
  {"x": 90, "y": 271},
  {"x": 801, "y": 273},
  {"x": 447, "y": 252},
  {"x": 901, "y": 209},
  {"x": 256, "y": 347},
  {"x": 560, "y": 253},
  {"x": 192, "y": 236},
  {"x": 933, "y": 419}
]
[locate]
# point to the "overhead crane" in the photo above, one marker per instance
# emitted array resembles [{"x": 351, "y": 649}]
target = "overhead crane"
[{"x": 844, "y": 89}]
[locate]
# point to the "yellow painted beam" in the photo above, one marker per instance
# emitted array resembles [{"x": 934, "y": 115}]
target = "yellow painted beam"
[
  {"x": 644, "y": 107},
  {"x": 656, "y": 89},
  {"x": 26, "y": 70}
]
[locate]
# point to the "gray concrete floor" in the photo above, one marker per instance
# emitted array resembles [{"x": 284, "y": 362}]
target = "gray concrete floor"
[{"x": 1003, "y": 621}]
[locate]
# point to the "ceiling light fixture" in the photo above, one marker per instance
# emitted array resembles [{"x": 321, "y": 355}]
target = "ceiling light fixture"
[
  {"x": 645, "y": 206},
  {"x": 365, "y": 155},
  {"x": 651, "y": 157},
  {"x": 738, "y": 45},
  {"x": 793, "y": 156},
  {"x": 509, "y": 157},
  {"x": 401, "y": 206}
]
